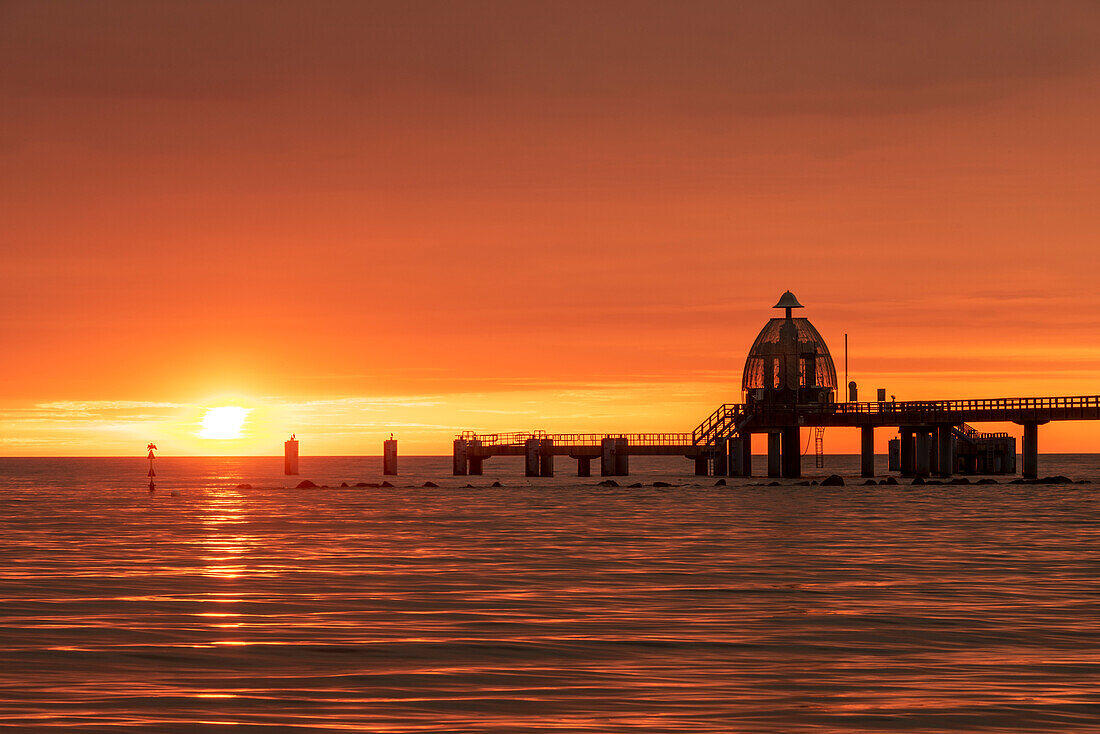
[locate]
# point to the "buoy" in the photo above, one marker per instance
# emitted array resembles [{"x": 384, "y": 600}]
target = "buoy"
[{"x": 152, "y": 447}]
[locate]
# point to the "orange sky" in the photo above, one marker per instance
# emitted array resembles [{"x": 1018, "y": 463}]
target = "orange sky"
[{"x": 423, "y": 217}]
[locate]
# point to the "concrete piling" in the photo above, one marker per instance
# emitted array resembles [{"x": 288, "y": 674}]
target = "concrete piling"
[
  {"x": 867, "y": 451},
  {"x": 721, "y": 457},
  {"x": 475, "y": 461},
  {"x": 921, "y": 453},
  {"x": 907, "y": 450},
  {"x": 775, "y": 455},
  {"x": 746, "y": 454},
  {"x": 389, "y": 457},
  {"x": 1031, "y": 451},
  {"x": 945, "y": 455},
  {"x": 584, "y": 466},
  {"x": 459, "y": 458},
  {"x": 622, "y": 458},
  {"x": 607, "y": 457},
  {"x": 792, "y": 452},
  {"x": 737, "y": 457},
  {"x": 531, "y": 454},
  {"x": 546, "y": 457},
  {"x": 701, "y": 465},
  {"x": 290, "y": 456}
]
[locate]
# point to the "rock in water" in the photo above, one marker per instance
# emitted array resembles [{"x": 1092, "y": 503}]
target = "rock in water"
[
  {"x": 661, "y": 484},
  {"x": 833, "y": 480},
  {"x": 720, "y": 483},
  {"x": 306, "y": 484},
  {"x": 430, "y": 484},
  {"x": 343, "y": 484},
  {"x": 244, "y": 486},
  {"x": 918, "y": 480},
  {"x": 496, "y": 484},
  {"x": 385, "y": 485}
]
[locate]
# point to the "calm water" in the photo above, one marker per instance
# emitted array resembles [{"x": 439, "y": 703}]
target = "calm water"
[{"x": 545, "y": 604}]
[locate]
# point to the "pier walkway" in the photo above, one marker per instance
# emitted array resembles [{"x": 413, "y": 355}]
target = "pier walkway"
[{"x": 722, "y": 443}]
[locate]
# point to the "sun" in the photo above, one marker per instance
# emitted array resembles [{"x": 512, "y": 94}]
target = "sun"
[{"x": 224, "y": 422}]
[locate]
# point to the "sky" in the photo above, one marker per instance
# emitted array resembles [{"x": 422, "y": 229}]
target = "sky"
[{"x": 352, "y": 218}]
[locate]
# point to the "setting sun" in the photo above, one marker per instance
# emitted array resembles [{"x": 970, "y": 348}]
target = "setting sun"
[{"x": 224, "y": 422}]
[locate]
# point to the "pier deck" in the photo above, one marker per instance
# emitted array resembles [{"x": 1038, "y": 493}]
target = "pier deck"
[{"x": 723, "y": 440}]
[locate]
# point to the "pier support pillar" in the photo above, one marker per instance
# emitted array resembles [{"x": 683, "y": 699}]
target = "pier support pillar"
[
  {"x": 389, "y": 457},
  {"x": 474, "y": 462},
  {"x": 622, "y": 458},
  {"x": 746, "y": 455},
  {"x": 584, "y": 466},
  {"x": 792, "y": 452},
  {"x": 945, "y": 456},
  {"x": 459, "y": 463},
  {"x": 721, "y": 457},
  {"x": 607, "y": 457},
  {"x": 546, "y": 457},
  {"x": 1031, "y": 451},
  {"x": 775, "y": 455},
  {"x": 531, "y": 455},
  {"x": 907, "y": 451},
  {"x": 921, "y": 453},
  {"x": 867, "y": 451},
  {"x": 737, "y": 457},
  {"x": 700, "y": 465}
]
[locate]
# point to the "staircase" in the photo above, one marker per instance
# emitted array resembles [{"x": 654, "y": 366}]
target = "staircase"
[{"x": 725, "y": 421}]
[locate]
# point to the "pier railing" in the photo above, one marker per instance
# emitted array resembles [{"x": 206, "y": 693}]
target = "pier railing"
[
  {"x": 577, "y": 439},
  {"x": 953, "y": 406},
  {"x": 733, "y": 417}
]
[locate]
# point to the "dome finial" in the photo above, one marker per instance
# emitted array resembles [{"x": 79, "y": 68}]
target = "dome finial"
[{"x": 787, "y": 300}]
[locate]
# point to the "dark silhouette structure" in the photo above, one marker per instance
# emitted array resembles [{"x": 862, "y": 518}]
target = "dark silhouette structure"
[
  {"x": 290, "y": 456},
  {"x": 790, "y": 383},
  {"x": 789, "y": 362}
]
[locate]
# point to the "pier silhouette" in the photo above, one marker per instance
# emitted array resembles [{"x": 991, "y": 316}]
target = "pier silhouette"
[{"x": 789, "y": 383}]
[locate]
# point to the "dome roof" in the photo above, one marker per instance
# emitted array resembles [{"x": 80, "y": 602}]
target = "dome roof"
[{"x": 790, "y": 357}]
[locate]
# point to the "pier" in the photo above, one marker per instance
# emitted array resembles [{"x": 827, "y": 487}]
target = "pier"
[{"x": 789, "y": 384}]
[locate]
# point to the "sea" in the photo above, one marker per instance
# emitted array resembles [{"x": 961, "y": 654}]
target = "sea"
[{"x": 543, "y": 604}]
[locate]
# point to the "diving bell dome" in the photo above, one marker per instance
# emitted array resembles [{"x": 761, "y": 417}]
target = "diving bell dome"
[
  {"x": 787, "y": 300},
  {"x": 789, "y": 362}
]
